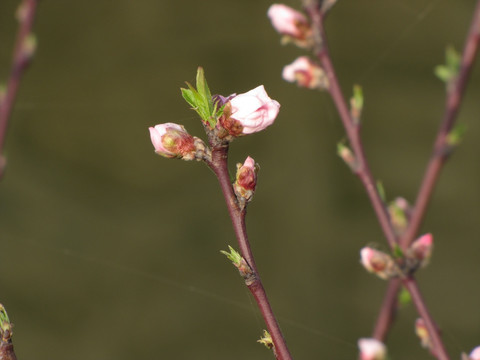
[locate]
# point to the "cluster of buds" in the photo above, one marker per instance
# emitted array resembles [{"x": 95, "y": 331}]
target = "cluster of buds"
[
  {"x": 372, "y": 349},
  {"x": 245, "y": 181},
  {"x": 385, "y": 266},
  {"x": 295, "y": 28}
]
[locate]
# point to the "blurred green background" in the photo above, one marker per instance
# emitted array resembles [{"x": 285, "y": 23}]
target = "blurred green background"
[{"x": 108, "y": 251}]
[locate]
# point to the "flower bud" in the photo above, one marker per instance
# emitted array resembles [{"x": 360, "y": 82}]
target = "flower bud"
[
  {"x": 347, "y": 155},
  {"x": 475, "y": 354},
  {"x": 173, "y": 141},
  {"x": 305, "y": 73},
  {"x": 290, "y": 23},
  {"x": 246, "y": 180},
  {"x": 399, "y": 211},
  {"x": 421, "y": 249},
  {"x": 372, "y": 349},
  {"x": 378, "y": 262},
  {"x": 250, "y": 112},
  {"x": 422, "y": 333}
]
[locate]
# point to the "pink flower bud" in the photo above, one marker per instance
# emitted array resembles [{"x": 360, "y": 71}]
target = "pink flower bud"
[
  {"x": 422, "y": 333},
  {"x": 421, "y": 249},
  {"x": 246, "y": 180},
  {"x": 378, "y": 262},
  {"x": 475, "y": 354},
  {"x": 173, "y": 141},
  {"x": 289, "y": 22},
  {"x": 250, "y": 112},
  {"x": 305, "y": 73},
  {"x": 372, "y": 349}
]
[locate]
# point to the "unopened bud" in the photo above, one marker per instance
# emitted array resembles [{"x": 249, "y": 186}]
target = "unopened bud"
[
  {"x": 378, "y": 263},
  {"x": 372, "y": 349},
  {"x": 356, "y": 103},
  {"x": 347, "y": 155},
  {"x": 241, "y": 264},
  {"x": 292, "y": 24},
  {"x": 246, "y": 180},
  {"x": 173, "y": 141},
  {"x": 399, "y": 211},
  {"x": 475, "y": 354},
  {"x": 421, "y": 249},
  {"x": 5, "y": 324},
  {"x": 422, "y": 333},
  {"x": 29, "y": 47},
  {"x": 306, "y": 73}
]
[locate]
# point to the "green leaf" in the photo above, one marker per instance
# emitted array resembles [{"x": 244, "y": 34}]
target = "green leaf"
[
  {"x": 189, "y": 97},
  {"x": 455, "y": 136},
  {"x": 201, "y": 99},
  {"x": 449, "y": 71},
  {"x": 357, "y": 97},
  {"x": 5, "y": 324},
  {"x": 404, "y": 297},
  {"x": 397, "y": 252},
  {"x": 443, "y": 73},
  {"x": 381, "y": 190},
  {"x": 233, "y": 256}
]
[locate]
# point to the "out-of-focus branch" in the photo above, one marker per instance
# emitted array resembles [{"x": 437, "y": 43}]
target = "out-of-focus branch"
[
  {"x": 23, "y": 51},
  {"x": 435, "y": 165}
]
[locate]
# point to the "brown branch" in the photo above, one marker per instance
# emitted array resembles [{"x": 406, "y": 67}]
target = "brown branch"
[
  {"x": 435, "y": 165},
  {"x": 21, "y": 57},
  {"x": 6, "y": 350},
  {"x": 352, "y": 128},
  {"x": 388, "y": 310},
  {"x": 441, "y": 149},
  {"x": 219, "y": 166},
  {"x": 361, "y": 169}
]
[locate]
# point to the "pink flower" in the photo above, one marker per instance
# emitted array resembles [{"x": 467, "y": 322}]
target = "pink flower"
[
  {"x": 288, "y": 21},
  {"x": 475, "y": 354},
  {"x": 378, "y": 262},
  {"x": 172, "y": 140},
  {"x": 372, "y": 349},
  {"x": 305, "y": 73},
  {"x": 253, "y": 110}
]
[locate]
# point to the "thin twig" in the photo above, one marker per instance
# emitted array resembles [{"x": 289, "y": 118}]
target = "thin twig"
[
  {"x": 440, "y": 153},
  {"x": 21, "y": 58},
  {"x": 435, "y": 165},
  {"x": 352, "y": 128},
  {"x": 219, "y": 166},
  {"x": 387, "y": 312},
  {"x": 362, "y": 170}
]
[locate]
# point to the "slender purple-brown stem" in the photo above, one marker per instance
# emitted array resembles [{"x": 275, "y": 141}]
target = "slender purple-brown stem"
[
  {"x": 6, "y": 350},
  {"x": 440, "y": 153},
  {"x": 219, "y": 166},
  {"x": 362, "y": 170},
  {"x": 435, "y": 165},
  {"x": 21, "y": 57},
  {"x": 352, "y": 128}
]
